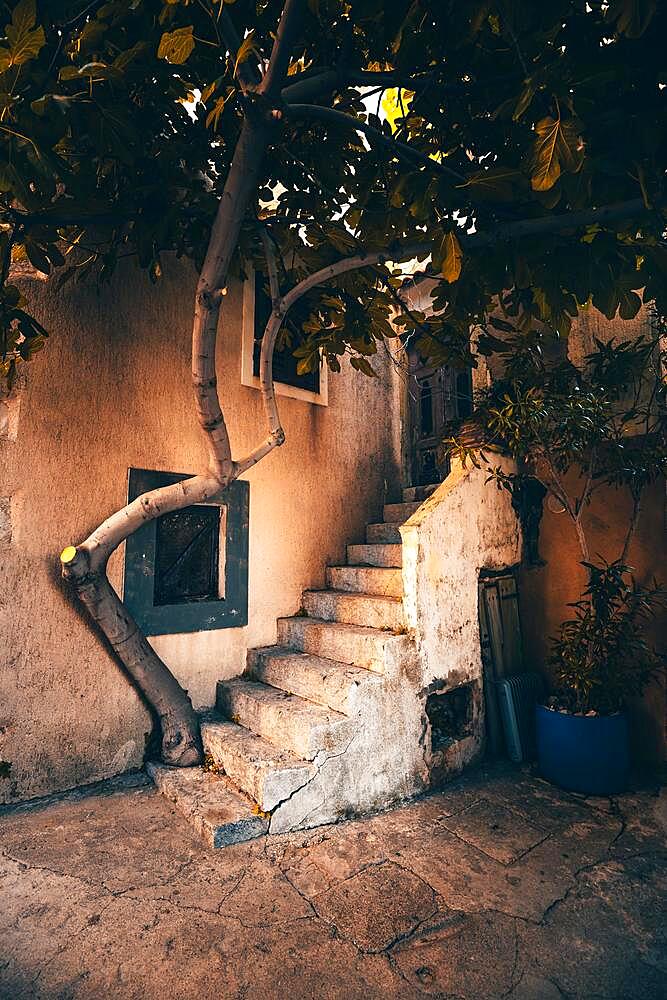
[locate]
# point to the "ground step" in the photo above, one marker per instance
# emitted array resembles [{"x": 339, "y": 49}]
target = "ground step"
[
  {"x": 354, "y": 644},
  {"x": 421, "y": 493},
  {"x": 375, "y": 555},
  {"x": 397, "y": 513},
  {"x": 383, "y": 533},
  {"x": 284, "y": 719},
  {"x": 366, "y": 580},
  {"x": 268, "y": 775},
  {"x": 354, "y": 609},
  {"x": 335, "y": 685},
  {"x": 218, "y": 813}
]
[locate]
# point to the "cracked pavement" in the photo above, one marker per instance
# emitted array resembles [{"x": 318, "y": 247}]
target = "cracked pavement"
[{"x": 497, "y": 886}]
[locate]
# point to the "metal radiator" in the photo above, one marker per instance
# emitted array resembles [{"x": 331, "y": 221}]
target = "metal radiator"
[{"x": 517, "y": 697}]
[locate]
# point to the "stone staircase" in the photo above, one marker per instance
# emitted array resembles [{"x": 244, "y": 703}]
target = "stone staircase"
[{"x": 327, "y": 723}]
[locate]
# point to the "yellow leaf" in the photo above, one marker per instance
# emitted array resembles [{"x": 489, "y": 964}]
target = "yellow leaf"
[
  {"x": 176, "y": 46},
  {"x": 24, "y": 43},
  {"x": 246, "y": 49},
  {"x": 391, "y": 104},
  {"x": 557, "y": 148},
  {"x": 215, "y": 112},
  {"x": 452, "y": 256}
]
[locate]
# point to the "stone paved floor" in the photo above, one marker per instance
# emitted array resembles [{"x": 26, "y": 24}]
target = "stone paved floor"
[{"x": 498, "y": 887}]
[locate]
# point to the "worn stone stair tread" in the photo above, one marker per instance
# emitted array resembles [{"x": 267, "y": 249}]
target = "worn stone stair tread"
[
  {"x": 267, "y": 773},
  {"x": 284, "y": 719},
  {"x": 376, "y": 611},
  {"x": 377, "y": 580},
  {"x": 328, "y": 682},
  {"x": 384, "y": 554},
  {"x": 354, "y": 644},
  {"x": 397, "y": 513},
  {"x": 220, "y": 815},
  {"x": 421, "y": 493},
  {"x": 384, "y": 533}
]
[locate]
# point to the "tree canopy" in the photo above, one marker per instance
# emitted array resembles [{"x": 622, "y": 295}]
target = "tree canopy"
[{"x": 520, "y": 145}]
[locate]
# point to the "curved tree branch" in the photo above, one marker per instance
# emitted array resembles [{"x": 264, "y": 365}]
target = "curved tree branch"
[
  {"x": 399, "y": 149},
  {"x": 282, "y": 45},
  {"x": 85, "y": 565},
  {"x": 247, "y": 72}
]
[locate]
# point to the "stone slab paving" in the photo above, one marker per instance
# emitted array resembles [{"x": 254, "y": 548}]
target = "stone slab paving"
[{"x": 499, "y": 886}]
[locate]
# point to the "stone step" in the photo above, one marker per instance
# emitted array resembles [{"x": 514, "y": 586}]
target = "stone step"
[
  {"x": 374, "y": 580},
  {"x": 354, "y": 609},
  {"x": 266, "y": 773},
  {"x": 421, "y": 493},
  {"x": 375, "y": 555},
  {"x": 397, "y": 513},
  {"x": 218, "y": 813},
  {"x": 353, "y": 644},
  {"x": 339, "y": 686},
  {"x": 286, "y": 720},
  {"x": 383, "y": 533}
]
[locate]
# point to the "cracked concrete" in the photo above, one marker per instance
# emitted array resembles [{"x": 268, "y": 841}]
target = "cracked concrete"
[{"x": 497, "y": 887}]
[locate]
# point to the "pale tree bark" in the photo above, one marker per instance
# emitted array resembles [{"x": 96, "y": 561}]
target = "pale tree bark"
[{"x": 84, "y": 565}]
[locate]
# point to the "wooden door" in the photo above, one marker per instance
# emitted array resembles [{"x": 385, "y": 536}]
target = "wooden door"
[{"x": 437, "y": 396}]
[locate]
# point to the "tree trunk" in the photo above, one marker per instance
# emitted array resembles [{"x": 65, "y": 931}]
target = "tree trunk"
[{"x": 85, "y": 565}]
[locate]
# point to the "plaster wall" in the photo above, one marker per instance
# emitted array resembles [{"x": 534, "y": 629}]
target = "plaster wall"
[
  {"x": 464, "y": 527},
  {"x": 111, "y": 390},
  {"x": 545, "y": 592}
]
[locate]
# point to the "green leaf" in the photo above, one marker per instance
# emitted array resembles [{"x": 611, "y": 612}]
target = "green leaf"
[
  {"x": 632, "y": 17},
  {"x": 37, "y": 256},
  {"x": 362, "y": 365},
  {"x": 498, "y": 183},
  {"x": 176, "y": 46},
  {"x": 24, "y": 43}
]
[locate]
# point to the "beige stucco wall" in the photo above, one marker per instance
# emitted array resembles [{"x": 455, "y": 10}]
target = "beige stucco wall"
[{"x": 111, "y": 390}]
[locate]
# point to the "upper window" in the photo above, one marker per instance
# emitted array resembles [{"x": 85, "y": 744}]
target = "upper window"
[{"x": 311, "y": 387}]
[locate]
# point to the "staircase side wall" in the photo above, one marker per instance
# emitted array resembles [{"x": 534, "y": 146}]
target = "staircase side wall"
[{"x": 466, "y": 526}]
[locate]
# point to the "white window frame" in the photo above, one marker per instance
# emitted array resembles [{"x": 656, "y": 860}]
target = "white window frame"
[{"x": 320, "y": 398}]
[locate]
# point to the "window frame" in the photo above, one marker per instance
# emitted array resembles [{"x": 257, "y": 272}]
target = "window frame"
[
  {"x": 230, "y": 611},
  {"x": 248, "y": 378}
]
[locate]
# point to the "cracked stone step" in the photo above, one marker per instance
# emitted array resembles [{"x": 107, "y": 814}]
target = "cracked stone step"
[
  {"x": 383, "y": 533},
  {"x": 286, "y": 720},
  {"x": 339, "y": 686},
  {"x": 397, "y": 513},
  {"x": 374, "y": 580},
  {"x": 421, "y": 493},
  {"x": 354, "y": 609},
  {"x": 353, "y": 644},
  {"x": 266, "y": 773},
  {"x": 219, "y": 814},
  {"x": 375, "y": 555}
]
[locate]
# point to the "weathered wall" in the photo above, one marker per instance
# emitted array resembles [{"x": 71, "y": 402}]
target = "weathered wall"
[
  {"x": 464, "y": 527},
  {"x": 545, "y": 592},
  {"x": 111, "y": 390}
]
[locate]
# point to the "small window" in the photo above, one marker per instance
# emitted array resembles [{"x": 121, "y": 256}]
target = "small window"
[
  {"x": 187, "y": 548},
  {"x": 311, "y": 387},
  {"x": 187, "y": 571},
  {"x": 284, "y": 362}
]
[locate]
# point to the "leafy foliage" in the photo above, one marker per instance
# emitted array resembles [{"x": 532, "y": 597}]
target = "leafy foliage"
[
  {"x": 607, "y": 421},
  {"x": 118, "y": 122},
  {"x": 602, "y": 656}
]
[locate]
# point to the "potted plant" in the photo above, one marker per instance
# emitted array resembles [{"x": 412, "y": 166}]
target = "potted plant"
[
  {"x": 600, "y": 659},
  {"x": 576, "y": 430}
]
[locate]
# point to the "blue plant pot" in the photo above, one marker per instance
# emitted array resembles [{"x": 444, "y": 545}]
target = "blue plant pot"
[{"x": 583, "y": 754}]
